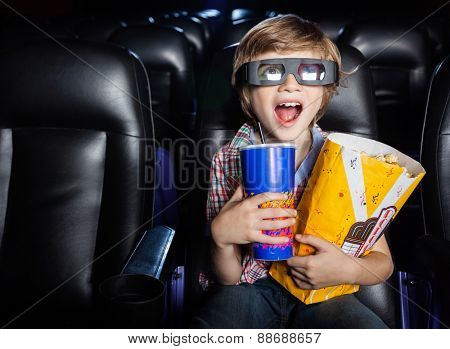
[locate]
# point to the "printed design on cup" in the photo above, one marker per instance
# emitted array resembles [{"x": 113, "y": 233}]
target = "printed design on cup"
[
  {"x": 286, "y": 231},
  {"x": 363, "y": 235}
]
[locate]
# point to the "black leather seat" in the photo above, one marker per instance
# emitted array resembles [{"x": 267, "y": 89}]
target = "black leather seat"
[
  {"x": 215, "y": 21},
  {"x": 439, "y": 36},
  {"x": 73, "y": 135},
  {"x": 237, "y": 29},
  {"x": 193, "y": 29},
  {"x": 334, "y": 26},
  {"x": 435, "y": 155},
  {"x": 165, "y": 54},
  {"x": 433, "y": 249},
  {"x": 244, "y": 13},
  {"x": 207, "y": 24},
  {"x": 96, "y": 28},
  {"x": 166, "y": 57},
  {"x": 399, "y": 60},
  {"x": 242, "y": 20},
  {"x": 352, "y": 111}
]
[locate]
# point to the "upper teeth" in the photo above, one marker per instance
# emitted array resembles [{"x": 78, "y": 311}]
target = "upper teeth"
[{"x": 290, "y": 104}]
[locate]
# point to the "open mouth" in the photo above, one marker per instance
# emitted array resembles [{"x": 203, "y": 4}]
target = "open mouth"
[{"x": 288, "y": 113}]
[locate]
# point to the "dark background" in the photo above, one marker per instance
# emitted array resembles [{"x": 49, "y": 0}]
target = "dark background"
[{"x": 404, "y": 9}]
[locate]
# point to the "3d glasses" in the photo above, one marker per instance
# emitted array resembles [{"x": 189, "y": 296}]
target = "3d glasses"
[{"x": 307, "y": 71}]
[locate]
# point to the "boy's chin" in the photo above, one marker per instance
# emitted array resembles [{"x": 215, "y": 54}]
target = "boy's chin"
[{"x": 282, "y": 136}]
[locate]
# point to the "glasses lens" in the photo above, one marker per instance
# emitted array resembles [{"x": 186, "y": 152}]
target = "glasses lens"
[
  {"x": 311, "y": 72},
  {"x": 270, "y": 72}
]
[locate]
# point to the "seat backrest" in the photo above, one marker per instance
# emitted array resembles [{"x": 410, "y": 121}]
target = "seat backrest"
[
  {"x": 73, "y": 126},
  {"x": 352, "y": 111},
  {"x": 399, "y": 60},
  {"x": 165, "y": 54},
  {"x": 435, "y": 155}
]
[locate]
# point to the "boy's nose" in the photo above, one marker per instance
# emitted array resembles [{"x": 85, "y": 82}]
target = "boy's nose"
[{"x": 290, "y": 84}]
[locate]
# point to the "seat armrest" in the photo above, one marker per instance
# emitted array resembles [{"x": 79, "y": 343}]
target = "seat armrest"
[
  {"x": 150, "y": 253},
  {"x": 428, "y": 284},
  {"x": 431, "y": 255}
]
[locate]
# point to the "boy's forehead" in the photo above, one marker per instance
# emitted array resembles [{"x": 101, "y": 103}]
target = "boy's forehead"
[{"x": 291, "y": 54}]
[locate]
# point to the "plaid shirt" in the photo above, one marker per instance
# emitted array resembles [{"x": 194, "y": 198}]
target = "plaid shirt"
[{"x": 225, "y": 177}]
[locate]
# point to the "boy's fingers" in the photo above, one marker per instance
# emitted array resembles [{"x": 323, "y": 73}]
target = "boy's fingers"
[
  {"x": 238, "y": 194},
  {"x": 299, "y": 275},
  {"x": 276, "y": 212},
  {"x": 303, "y": 285},
  {"x": 264, "y": 197},
  {"x": 319, "y": 243},
  {"x": 298, "y": 261},
  {"x": 266, "y": 239},
  {"x": 274, "y": 225}
]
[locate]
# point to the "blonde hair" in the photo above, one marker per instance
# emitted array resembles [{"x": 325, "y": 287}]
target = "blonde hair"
[{"x": 284, "y": 34}]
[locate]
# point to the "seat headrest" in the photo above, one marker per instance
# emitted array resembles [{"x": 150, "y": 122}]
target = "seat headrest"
[
  {"x": 193, "y": 30},
  {"x": 96, "y": 28},
  {"x": 237, "y": 29},
  {"x": 75, "y": 84},
  {"x": 333, "y": 26},
  {"x": 159, "y": 47},
  {"x": 393, "y": 46},
  {"x": 219, "y": 107},
  {"x": 243, "y": 13},
  {"x": 353, "y": 110}
]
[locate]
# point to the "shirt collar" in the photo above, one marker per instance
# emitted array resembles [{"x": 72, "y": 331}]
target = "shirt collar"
[
  {"x": 307, "y": 165},
  {"x": 242, "y": 138}
]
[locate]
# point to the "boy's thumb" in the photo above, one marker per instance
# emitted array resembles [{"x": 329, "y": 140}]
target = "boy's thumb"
[{"x": 238, "y": 194}]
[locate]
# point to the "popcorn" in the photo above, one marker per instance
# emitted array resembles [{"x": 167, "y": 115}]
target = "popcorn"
[{"x": 391, "y": 159}]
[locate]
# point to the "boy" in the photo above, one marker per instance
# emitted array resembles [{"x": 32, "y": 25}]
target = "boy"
[{"x": 287, "y": 96}]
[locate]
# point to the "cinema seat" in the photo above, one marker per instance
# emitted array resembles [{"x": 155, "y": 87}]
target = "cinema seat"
[{"x": 75, "y": 140}]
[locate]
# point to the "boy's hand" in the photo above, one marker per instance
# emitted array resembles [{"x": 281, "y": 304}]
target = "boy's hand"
[
  {"x": 240, "y": 220},
  {"x": 329, "y": 266}
]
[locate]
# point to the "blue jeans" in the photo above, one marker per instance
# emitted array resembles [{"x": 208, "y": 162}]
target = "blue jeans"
[{"x": 266, "y": 304}]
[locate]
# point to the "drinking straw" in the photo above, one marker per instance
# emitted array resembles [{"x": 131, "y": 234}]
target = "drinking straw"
[{"x": 263, "y": 141}]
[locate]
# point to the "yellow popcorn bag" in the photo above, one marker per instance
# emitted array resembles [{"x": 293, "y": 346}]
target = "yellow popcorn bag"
[{"x": 356, "y": 188}]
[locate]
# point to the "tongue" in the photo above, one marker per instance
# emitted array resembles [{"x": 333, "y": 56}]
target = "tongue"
[{"x": 286, "y": 113}]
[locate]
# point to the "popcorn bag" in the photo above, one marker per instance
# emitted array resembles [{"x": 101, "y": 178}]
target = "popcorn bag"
[{"x": 356, "y": 188}]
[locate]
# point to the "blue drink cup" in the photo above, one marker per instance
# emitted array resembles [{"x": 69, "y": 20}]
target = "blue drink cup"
[{"x": 270, "y": 168}]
